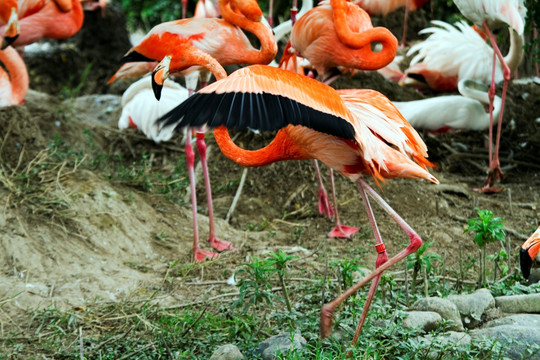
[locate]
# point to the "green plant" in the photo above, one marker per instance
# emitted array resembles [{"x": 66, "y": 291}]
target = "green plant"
[
  {"x": 254, "y": 285},
  {"x": 421, "y": 262},
  {"x": 487, "y": 229},
  {"x": 279, "y": 260}
]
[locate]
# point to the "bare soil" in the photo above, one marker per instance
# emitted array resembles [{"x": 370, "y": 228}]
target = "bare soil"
[{"x": 71, "y": 234}]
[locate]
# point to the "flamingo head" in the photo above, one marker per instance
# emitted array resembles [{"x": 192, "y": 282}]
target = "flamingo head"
[
  {"x": 528, "y": 253},
  {"x": 160, "y": 73},
  {"x": 12, "y": 30}
]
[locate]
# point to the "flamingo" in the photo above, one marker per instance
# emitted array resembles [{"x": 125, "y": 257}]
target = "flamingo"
[
  {"x": 442, "y": 113},
  {"x": 13, "y": 78},
  {"x": 54, "y": 19},
  {"x": 340, "y": 34},
  {"x": 355, "y": 132},
  {"x": 529, "y": 252},
  {"x": 455, "y": 52},
  {"x": 494, "y": 14},
  {"x": 188, "y": 42},
  {"x": 10, "y": 18},
  {"x": 383, "y": 7}
]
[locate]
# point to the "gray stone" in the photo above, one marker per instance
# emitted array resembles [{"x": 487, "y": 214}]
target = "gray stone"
[
  {"x": 281, "y": 344},
  {"x": 425, "y": 320},
  {"x": 529, "y": 320},
  {"x": 473, "y": 306},
  {"x": 519, "y": 342},
  {"x": 227, "y": 352},
  {"x": 447, "y": 309},
  {"x": 440, "y": 343},
  {"x": 534, "y": 277},
  {"x": 519, "y": 303}
]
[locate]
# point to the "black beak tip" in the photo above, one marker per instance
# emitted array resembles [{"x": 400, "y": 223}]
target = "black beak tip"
[
  {"x": 8, "y": 40},
  {"x": 157, "y": 89},
  {"x": 525, "y": 263}
]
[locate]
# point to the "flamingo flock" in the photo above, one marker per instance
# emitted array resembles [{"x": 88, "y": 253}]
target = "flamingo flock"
[{"x": 358, "y": 133}]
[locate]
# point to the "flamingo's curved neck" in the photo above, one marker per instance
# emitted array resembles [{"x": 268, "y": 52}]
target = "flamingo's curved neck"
[
  {"x": 515, "y": 52},
  {"x": 280, "y": 148},
  {"x": 250, "y": 21},
  {"x": 14, "y": 65},
  {"x": 364, "y": 38},
  {"x": 469, "y": 88}
]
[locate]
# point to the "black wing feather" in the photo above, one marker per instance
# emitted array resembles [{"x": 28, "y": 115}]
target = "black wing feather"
[{"x": 257, "y": 111}]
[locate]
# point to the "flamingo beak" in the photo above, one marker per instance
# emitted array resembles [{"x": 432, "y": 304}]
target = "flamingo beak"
[
  {"x": 12, "y": 30},
  {"x": 160, "y": 73},
  {"x": 528, "y": 253}
]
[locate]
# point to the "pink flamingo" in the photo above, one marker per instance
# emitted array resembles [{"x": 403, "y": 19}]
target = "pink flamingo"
[
  {"x": 494, "y": 14},
  {"x": 13, "y": 78}
]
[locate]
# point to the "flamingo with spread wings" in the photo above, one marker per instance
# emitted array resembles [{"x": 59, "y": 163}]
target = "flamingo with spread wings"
[{"x": 355, "y": 132}]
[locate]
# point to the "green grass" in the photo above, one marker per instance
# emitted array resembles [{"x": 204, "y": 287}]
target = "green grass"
[{"x": 144, "y": 330}]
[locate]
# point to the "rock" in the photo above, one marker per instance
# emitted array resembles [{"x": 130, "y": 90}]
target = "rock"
[
  {"x": 519, "y": 303},
  {"x": 227, "y": 352},
  {"x": 473, "y": 306},
  {"x": 425, "y": 320},
  {"x": 530, "y": 320},
  {"x": 447, "y": 309},
  {"x": 534, "y": 277},
  {"x": 440, "y": 342},
  {"x": 281, "y": 344},
  {"x": 517, "y": 341}
]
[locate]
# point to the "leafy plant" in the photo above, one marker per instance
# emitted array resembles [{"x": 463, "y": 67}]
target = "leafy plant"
[
  {"x": 255, "y": 285},
  {"x": 279, "y": 260},
  {"x": 421, "y": 262},
  {"x": 487, "y": 229}
]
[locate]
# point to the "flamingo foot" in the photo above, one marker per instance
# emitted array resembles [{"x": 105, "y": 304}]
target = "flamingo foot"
[
  {"x": 342, "y": 231},
  {"x": 324, "y": 204},
  {"x": 495, "y": 175},
  {"x": 221, "y": 245},
  {"x": 199, "y": 255}
]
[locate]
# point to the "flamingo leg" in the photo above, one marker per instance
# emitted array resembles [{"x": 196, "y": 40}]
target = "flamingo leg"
[
  {"x": 404, "y": 37},
  {"x": 495, "y": 171},
  {"x": 340, "y": 230},
  {"x": 217, "y": 244},
  {"x": 324, "y": 204},
  {"x": 198, "y": 253},
  {"x": 327, "y": 310},
  {"x": 270, "y": 19},
  {"x": 381, "y": 259}
]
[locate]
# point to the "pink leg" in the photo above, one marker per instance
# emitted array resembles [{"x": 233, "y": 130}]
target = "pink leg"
[
  {"x": 381, "y": 259},
  {"x": 184, "y": 8},
  {"x": 327, "y": 311},
  {"x": 340, "y": 230},
  {"x": 198, "y": 253},
  {"x": 404, "y": 37},
  {"x": 270, "y": 19},
  {"x": 212, "y": 239},
  {"x": 495, "y": 171},
  {"x": 324, "y": 204},
  {"x": 535, "y": 36}
]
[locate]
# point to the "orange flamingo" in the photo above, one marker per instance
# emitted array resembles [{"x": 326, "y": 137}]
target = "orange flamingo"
[
  {"x": 383, "y": 7},
  {"x": 13, "y": 78},
  {"x": 340, "y": 34},
  {"x": 355, "y": 132},
  {"x": 529, "y": 252},
  {"x": 495, "y": 14},
  {"x": 58, "y": 19},
  {"x": 196, "y": 41},
  {"x": 10, "y": 18}
]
